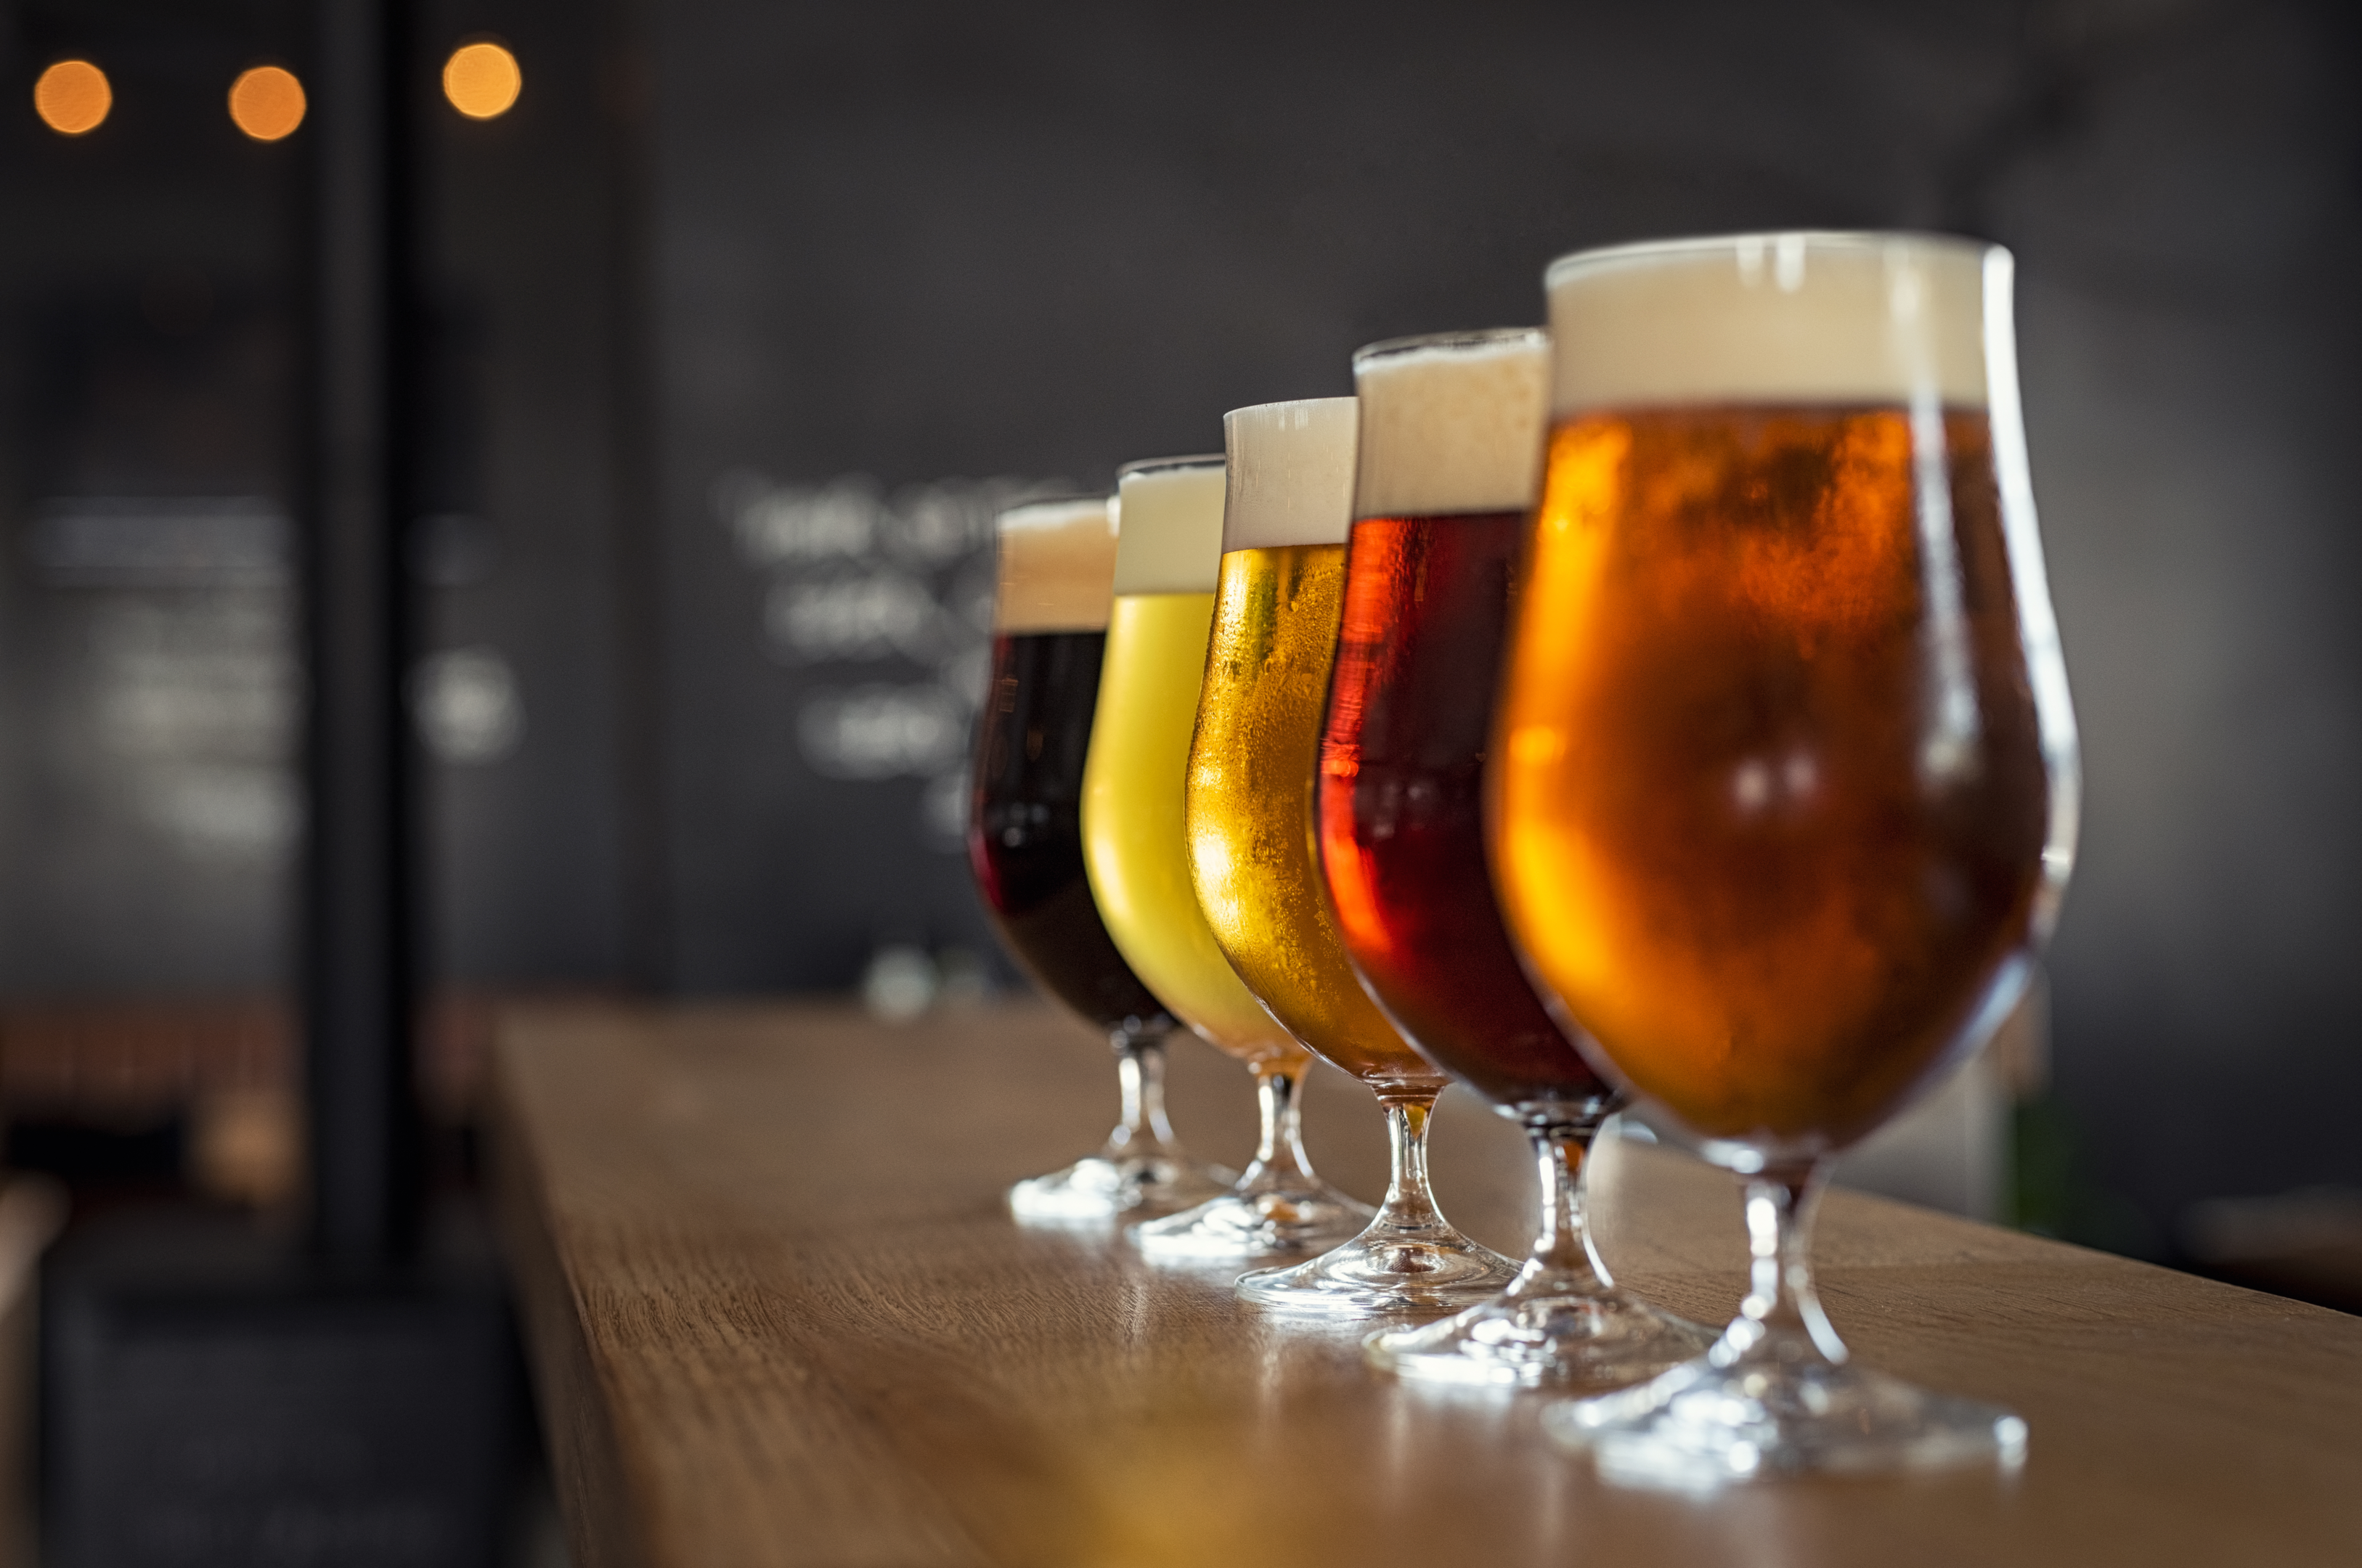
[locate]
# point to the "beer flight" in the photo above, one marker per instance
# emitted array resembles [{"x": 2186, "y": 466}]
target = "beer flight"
[{"x": 1665, "y": 704}]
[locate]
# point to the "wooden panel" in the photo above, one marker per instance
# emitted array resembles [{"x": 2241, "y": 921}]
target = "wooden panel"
[{"x": 815, "y": 1337}]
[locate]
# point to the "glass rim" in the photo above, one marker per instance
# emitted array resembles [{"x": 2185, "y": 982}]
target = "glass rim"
[
  {"x": 1049, "y": 502},
  {"x": 1469, "y": 338},
  {"x": 1576, "y": 261},
  {"x": 1170, "y": 465}
]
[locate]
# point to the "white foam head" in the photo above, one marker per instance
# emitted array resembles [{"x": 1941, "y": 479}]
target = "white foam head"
[
  {"x": 1058, "y": 561},
  {"x": 1291, "y": 473},
  {"x": 1451, "y": 423},
  {"x": 1172, "y": 539},
  {"x": 1829, "y": 318}
]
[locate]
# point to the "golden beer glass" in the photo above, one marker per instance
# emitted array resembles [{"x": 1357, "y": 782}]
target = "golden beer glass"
[
  {"x": 1255, "y": 858},
  {"x": 1138, "y": 854},
  {"x": 1785, "y": 778}
]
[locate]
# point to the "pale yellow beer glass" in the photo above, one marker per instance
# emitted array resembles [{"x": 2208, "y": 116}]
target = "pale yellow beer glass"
[{"x": 1138, "y": 857}]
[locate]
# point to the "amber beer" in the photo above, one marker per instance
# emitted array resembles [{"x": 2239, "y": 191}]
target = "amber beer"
[
  {"x": 1772, "y": 800},
  {"x": 1253, "y": 764},
  {"x": 1024, "y": 839},
  {"x": 1450, "y": 452}
]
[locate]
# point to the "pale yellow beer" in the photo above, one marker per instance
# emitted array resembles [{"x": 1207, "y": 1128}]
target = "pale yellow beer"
[
  {"x": 1134, "y": 840},
  {"x": 1137, "y": 850},
  {"x": 1253, "y": 853}
]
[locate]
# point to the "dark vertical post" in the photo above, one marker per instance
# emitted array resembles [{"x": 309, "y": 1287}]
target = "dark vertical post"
[
  {"x": 357, "y": 894},
  {"x": 640, "y": 671}
]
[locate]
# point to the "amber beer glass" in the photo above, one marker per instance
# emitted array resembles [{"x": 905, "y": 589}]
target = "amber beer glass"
[
  {"x": 1024, "y": 840},
  {"x": 1785, "y": 777},
  {"x": 1254, "y": 858},
  {"x": 1138, "y": 854},
  {"x": 1448, "y": 462}
]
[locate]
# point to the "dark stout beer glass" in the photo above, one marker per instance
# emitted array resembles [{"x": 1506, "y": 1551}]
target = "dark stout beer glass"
[
  {"x": 1057, "y": 566},
  {"x": 1448, "y": 462},
  {"x": 1254, "y": 862},
  {"x": 1785, "y": 778}
]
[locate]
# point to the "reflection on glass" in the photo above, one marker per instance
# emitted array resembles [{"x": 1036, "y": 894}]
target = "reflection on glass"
[
  {"x": 1058, "y": 561},
  {"x": 1450, "y": 458},
  {"x": 1786, "y": 770},
  {"x": 1256, "y": 866},
  {"x": 1138, "y": 853}
]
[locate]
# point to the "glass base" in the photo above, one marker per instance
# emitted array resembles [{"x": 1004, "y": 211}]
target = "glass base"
[
  {"x": 1702, "y": 1426},
  {"x": 1545, "y": 1332},
  {"x": 1385, "y": 1270},
  {"x": 1098, "y": 1190},
  {"x": 1278, "y": 1220}
]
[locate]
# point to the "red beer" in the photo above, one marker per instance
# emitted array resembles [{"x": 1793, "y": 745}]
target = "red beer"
[{"x": 1401, "y": 804}]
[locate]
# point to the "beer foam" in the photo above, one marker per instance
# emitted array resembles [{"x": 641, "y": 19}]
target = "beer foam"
[
  {"x": 1451, "y": 424},
  {"x": 1291, "y": 473},
  {"x": 1172, "y": 538},
  {"x": 1057, "y": 558},
  {"x": 1843, "y": 318}
]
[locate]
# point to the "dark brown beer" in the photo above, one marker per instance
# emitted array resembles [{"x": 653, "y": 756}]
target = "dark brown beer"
[
  {"x": 1025, "y": 832},
  {"x": 1402, "y": 831},
  {"x": 1772, "y": 804}
]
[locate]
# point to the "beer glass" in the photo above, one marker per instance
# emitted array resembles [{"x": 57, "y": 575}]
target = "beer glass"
[
  {"x": 1025, "y": 845},
  {"x": 1256, "y": 867},
  {"x": 1167, "y": 560},
  {"x": 1784, "y": 773},
  {"x": 1448, "y": 462}
]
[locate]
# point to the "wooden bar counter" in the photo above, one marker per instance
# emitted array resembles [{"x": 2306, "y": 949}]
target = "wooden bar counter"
[{"x": 778, "y": 1315}]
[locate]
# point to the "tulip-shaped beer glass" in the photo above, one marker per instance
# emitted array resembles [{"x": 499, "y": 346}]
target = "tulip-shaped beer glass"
[
  {"x": 1025, "y": 841},
  {"x": 1784, "y": 773},
  {"x": 1255, "y": 863},
  {"x": 1138, "y": 852},
  {"x": 1448, "y": 461}
]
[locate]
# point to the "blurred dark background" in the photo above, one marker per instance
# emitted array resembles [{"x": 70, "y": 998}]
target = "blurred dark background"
[{"x": 744, "y": 315}]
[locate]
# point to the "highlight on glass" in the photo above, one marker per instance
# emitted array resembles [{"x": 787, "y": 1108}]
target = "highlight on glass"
[
  {"x": 1136, "y": 845},
  {"x": 1025, "y": 844},
  {"x": 1256, "y": 866},
  {"x": 1449, "y": 462},
  {"x": 1785, "y": 773}
]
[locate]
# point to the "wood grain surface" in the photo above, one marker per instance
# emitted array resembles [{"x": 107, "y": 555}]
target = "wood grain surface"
[{"x": 779, "y": 1316}]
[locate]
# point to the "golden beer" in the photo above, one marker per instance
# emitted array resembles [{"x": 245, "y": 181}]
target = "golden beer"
[
  {"x": 1253, "y": 854},
  {"x": 1133, "y": 837}
]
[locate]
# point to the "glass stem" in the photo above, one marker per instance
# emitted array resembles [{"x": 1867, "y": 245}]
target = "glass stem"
[
  {"x": 1781, "y": 1312},
  {"x": 1410, "y": 1205},
  {"x": 1140, "y": 1071},
  {"x": 1279, "y": 1153},
  {"x": 1562, "y": 1249}
]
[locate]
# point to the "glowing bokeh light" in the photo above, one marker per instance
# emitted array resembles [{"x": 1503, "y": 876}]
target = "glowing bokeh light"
[
  {"x": 267, "y": 102},
  {"x": 481, "y": 80},
  {"x": 72, "y": 96}
]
